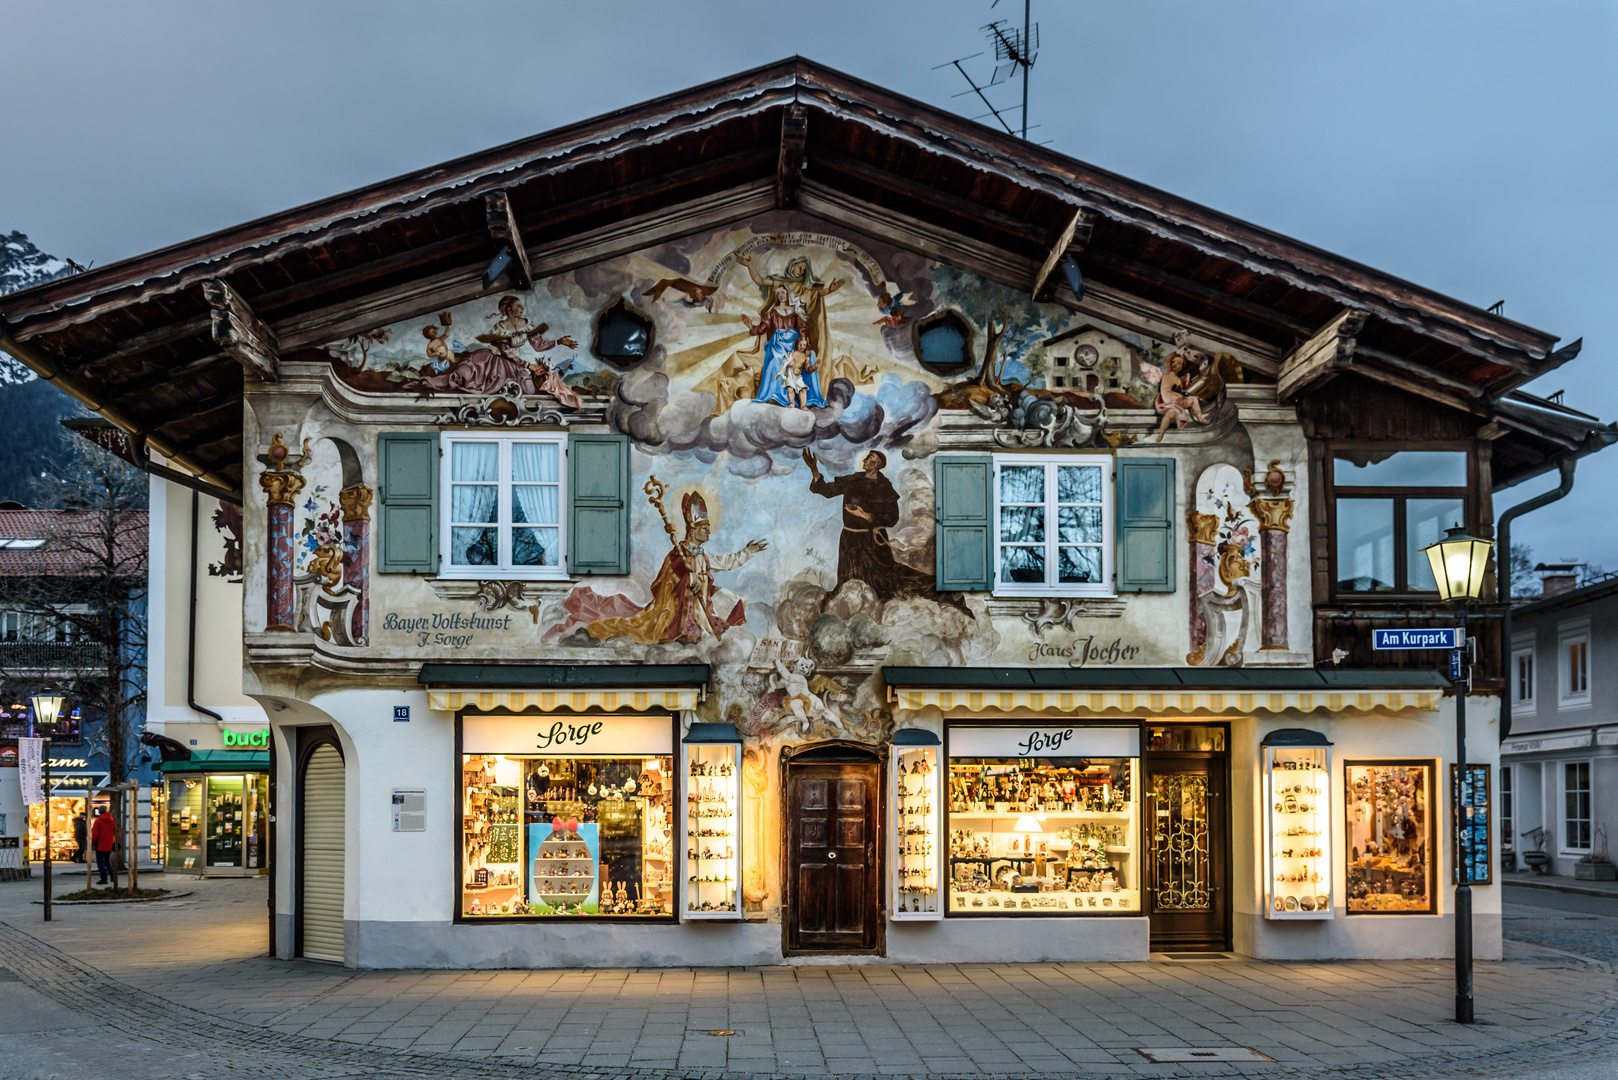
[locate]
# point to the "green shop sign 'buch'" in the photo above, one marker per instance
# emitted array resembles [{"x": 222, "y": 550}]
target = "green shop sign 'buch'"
[{"x": 261, "y": 738}]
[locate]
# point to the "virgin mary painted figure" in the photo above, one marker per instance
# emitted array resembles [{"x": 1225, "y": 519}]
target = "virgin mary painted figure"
[{"x": 782, "y": 326}]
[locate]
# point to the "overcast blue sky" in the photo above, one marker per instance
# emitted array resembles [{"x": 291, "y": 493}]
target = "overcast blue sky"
[{"x": 1466, "y": 146}]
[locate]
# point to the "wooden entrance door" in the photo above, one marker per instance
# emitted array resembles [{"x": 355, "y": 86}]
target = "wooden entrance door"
[
  {"x": 1187, "y": 852},
  {"x": 833, "y": 823}
]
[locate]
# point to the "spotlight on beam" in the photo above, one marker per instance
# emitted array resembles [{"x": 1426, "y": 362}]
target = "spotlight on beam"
[
  {"x": 1075, "y": 277},
  {"x": 497, "y": 267}
]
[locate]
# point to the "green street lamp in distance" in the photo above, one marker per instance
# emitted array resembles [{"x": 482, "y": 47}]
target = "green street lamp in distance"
[{"x": 47, "y": 710}]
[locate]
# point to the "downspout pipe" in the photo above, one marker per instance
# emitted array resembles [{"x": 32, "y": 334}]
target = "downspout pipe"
[
  {"x": 191, "y": 625},
  {"x": 1502, "y": 532}
]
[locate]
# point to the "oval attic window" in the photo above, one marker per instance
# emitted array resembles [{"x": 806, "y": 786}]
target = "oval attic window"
[
  {"x": 623, "y": 335},
  {"x": 943, "y": 343}
]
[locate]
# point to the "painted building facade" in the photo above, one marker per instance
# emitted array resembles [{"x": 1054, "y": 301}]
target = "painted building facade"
[{"x": 828, "y": 530}]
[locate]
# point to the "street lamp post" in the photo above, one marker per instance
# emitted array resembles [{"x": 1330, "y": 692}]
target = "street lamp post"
[
  {"x": 47, "y": 707},
  {"x": 1459, "y": 562}
]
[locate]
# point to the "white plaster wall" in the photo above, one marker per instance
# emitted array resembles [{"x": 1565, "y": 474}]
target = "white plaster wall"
[{"x": 1359, "y": 736}]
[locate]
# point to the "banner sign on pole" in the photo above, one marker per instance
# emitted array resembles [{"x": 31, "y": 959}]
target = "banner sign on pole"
[
  {"x": 30, "y": 761},
  {"x": 1444, "y": 637}
]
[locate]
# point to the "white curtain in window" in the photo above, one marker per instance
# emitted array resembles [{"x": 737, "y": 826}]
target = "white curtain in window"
[{"x": 534, "y": 476}]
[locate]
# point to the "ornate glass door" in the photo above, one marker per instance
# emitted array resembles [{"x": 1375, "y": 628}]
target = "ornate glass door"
[{"x": 1186, "y": 852}]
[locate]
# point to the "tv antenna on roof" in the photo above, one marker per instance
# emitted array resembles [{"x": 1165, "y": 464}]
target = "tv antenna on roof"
[{"x": 1014, "y": 49}]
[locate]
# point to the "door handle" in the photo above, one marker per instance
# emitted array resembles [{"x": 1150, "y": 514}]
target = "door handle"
[{"x": 831, "y": 854}]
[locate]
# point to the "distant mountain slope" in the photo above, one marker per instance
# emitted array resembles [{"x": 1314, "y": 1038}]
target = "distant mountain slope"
[{"x": 32, "y": 440}]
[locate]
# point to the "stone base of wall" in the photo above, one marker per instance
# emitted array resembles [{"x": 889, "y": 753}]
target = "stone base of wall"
[{"x": 1364, "y": 937}]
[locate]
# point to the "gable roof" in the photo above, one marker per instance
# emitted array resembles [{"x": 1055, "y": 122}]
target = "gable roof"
[
  {"x": 68, "y": 543},
  {"x": 140, "y": 342}
]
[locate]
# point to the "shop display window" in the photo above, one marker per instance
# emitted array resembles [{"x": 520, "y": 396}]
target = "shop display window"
[
  {"x": 184, "y": 809},
  {"x": 63, "y": 809},
  {"x": 1390, "y": 838},
  {"x": 1297, "y": 833},
  {"x": 712, "y": 823},
  {"x": 1186, "y": 738},
  {"x": 917, "y": 807},
  {"x": 1042, "y": 820},
  {"x": 571, "y": 834}
]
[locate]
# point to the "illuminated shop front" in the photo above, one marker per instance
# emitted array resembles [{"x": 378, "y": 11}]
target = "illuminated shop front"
[{"x": 215, "y": 813}]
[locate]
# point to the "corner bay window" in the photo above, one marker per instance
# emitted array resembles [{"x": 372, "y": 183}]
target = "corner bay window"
[
  {"x": 504, "y": 511},
  {"x": 1388, "y": 506},
  {"x": 1053, "y": 521},
  {"x": 567, "y": 816},
  {"x": 1042, "y": 821}
]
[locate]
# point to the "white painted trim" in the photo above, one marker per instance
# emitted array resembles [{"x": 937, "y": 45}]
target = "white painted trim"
[
  {"x": 1051, "y": 587},
  {"x": 503, "y": 568}
]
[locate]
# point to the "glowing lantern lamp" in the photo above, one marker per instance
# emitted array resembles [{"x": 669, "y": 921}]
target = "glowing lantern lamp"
[{"x": 1459, "y": 562}]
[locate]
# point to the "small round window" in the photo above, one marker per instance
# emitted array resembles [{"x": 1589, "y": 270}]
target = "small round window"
[
  {"x": 944, "y": 343},
  {"x": 623, "y": 335}
]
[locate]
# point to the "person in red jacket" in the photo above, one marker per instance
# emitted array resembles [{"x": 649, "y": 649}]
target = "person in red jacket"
[{"x": 104, "y": 838}]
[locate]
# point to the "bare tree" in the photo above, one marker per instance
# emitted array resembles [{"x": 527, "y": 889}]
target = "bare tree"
[{"x": 82, "y": 600}]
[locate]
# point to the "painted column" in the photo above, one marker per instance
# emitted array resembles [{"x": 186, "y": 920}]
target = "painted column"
[
  {"x": 281, "y": 483},
  {"x": 1204, "y": 530},
  {"x": 356, "y": 504},
  {"x": 1274, "y": 515}
]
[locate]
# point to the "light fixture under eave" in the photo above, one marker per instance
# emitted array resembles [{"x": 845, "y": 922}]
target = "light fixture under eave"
[
  {"x": 1459, "y": 562},
  {"x": 497, "y": 267},
  {"x": 1073, "y": 275}
]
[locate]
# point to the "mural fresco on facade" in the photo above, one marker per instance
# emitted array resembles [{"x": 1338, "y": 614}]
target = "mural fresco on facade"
[{"x": 783, "y": 422}]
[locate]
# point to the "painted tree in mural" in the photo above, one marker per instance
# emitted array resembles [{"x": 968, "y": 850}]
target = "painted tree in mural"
[
  {"x": 1015, "y": 327},
  {"x": 83, "y": 603}
]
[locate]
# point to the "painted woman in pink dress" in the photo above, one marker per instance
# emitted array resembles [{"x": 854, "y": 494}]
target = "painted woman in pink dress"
[{"x": 491, "y": 370}]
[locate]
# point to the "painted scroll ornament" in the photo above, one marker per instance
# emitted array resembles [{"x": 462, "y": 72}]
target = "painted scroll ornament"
[{"x": 507, "y": 408}]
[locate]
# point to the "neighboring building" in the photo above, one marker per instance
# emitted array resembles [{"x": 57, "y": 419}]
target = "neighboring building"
[
  {"x": 213, "y": 740},
  {"x": 844, "y": 531},
  {"x": 1559, "y": 763},
  {"x": 46, "y": 554}
]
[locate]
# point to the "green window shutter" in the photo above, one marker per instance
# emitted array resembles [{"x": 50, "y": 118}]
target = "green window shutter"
[
  {"x": 597, "y": 504},
  {"x": 408, "y": 463},
  {"x": 961, "y": 509},
  {"x": 1146, "y": 502}
]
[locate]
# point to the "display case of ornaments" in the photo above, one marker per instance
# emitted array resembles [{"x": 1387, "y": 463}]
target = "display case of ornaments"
[
  {"x": 1297, "y": 829},
  {"x": 916, "y": 850},
  {"x": 1042, "y": 837},
  {"x": 491, "y": 858},
  {"x": 712, "y": 770}
]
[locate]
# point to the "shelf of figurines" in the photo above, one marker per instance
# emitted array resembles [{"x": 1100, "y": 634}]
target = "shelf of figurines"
[
  {"x": 1299, "y": 868},
  {"x": 915, "y": 847},
  {"x": 713, "y": 857}
]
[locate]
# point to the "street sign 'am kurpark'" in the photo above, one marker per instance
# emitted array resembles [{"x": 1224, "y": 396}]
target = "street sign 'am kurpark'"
[{"x": 1445, "y": 637}]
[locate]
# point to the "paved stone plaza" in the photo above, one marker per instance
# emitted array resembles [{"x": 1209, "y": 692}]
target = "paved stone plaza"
[{"x": 181, "y": 989}]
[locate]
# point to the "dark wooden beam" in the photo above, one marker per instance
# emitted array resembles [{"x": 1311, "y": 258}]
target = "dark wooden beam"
[
  {"x": 1106, "y": 260},
  {"x": 241, "y": 333},
  {"x": 1082, "y": 219},
  {"x": 1327, "y": 352},
  {"x": 661, "y": 184},
  {"x": 789, "y": 163},
  {"x": 131, "y": 389},
  {"x": 503, "y": 227},
  {"x": 1021, "y": 228}
]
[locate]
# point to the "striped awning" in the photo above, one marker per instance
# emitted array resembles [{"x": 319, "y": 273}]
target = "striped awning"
[
  {"x": 1180, "y": 701},
  {"x": 682, "y": 697}
]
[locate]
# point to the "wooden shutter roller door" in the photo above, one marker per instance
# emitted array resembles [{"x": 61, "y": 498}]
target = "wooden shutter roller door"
[{"x": 324, "y": 827}]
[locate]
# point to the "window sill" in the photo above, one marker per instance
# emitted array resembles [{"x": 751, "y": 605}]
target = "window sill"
[
  {"x": 469, "y": 588},
  {"x": 1573, "y": 704},
  {"x": 1041, "y": 592},
  {"x": 497, "y": 574}
]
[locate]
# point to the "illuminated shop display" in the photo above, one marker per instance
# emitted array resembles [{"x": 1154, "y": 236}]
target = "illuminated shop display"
[
  {"x": 1042, "y": 820},
  {"x": 1297, "y": 830},
  {"x": 566, "y": 816},
  {"x": 713, "y": 858},
  {"x": 916, "y": 854},
  {"x": 1390, "y": 840}
]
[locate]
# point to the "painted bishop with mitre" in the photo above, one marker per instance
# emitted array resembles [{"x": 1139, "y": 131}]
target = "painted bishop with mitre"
[{"x": 686, "y": 604}]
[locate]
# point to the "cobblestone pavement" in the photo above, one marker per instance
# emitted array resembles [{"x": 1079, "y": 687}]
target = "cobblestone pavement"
[
  {"x": 1586, "y": 925},
  {"x": 178, "y": 989}
]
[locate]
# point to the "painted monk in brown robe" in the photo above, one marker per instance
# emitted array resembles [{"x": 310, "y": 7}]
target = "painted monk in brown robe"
[{"x": 870, "y": 508}]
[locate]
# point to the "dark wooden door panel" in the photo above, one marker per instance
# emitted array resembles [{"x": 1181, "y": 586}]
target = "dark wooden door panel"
[{"x": 833, "y": 817}]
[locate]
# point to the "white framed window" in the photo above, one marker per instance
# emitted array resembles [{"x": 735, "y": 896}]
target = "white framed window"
[
  {"x": 1576, "y": 806},
  {"x": 504, "y": 505},
  {"x": 10, "y": 626},
  {"x": 1053, "y": 525},
  {"x": 1573, "y": 665},
  {"x": 1508, "y": 819},
  {"x": 1522, "y": 679}
]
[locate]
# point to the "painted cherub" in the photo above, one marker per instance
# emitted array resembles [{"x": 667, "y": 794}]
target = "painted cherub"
[
  {"x": 798, "y": 364},
  {"x": 440, "y": 349}
]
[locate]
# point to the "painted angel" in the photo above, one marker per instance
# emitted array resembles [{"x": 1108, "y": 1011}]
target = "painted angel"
[{"x": 1173, "y": 403}]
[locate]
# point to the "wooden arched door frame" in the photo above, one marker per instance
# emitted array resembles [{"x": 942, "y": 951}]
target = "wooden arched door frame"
[{"x": 861, "y": 757}]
